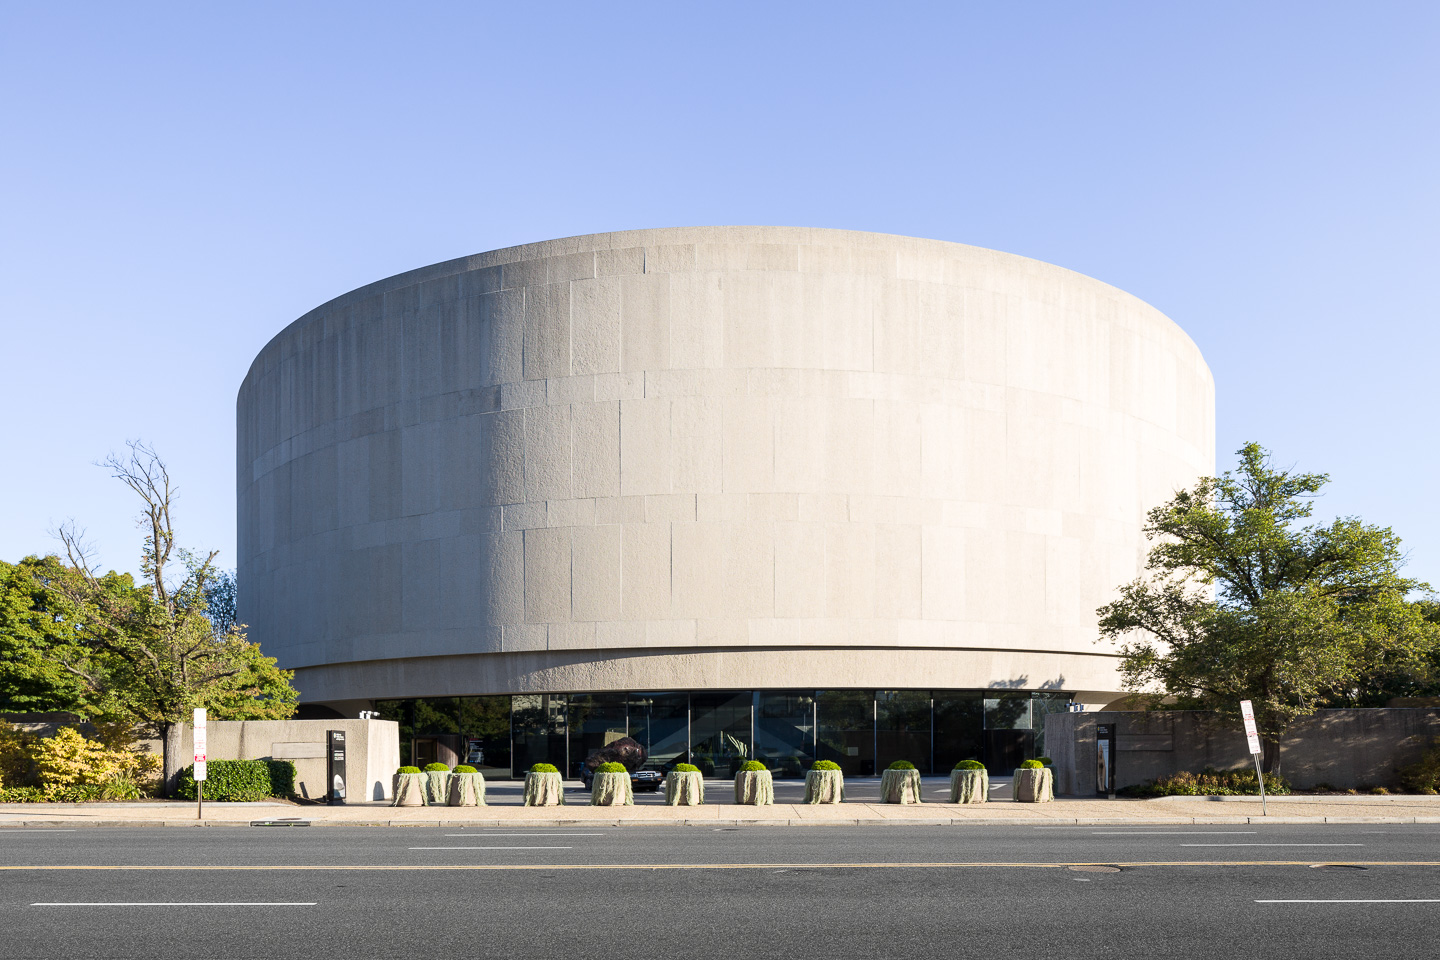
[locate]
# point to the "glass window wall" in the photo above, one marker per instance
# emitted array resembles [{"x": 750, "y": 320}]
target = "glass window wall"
[
  {"x": 785, "y": 732},
  {"x": 719, "y": 730},
  {"x": 661, "y": 723},
  {"x": 596, "y": 721},
  {"x": 485, "y": 734},
  {"x": 902, "y": 728},
  {"x": 846, "y": 730}
]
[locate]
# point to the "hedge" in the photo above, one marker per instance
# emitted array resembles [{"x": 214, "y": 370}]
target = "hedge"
[
  {"x": 240, "y": 780},
  {"x": 437, "y": 768},
  {"x": 686, "y": 768},
  {"x": 611, "y": 768},
  {"x": 754, "y": 765},
  {"x": 969, "y": 765},
  {"x": 902, "y": 765},
  {"x": 824, "y": 765},
  {"x": 464, "y": 768},
  {"x": 544, "y": 768}
]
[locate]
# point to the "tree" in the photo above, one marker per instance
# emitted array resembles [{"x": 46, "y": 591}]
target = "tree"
[
  {"x": 1241, "y": 604},
  {"x": 150, "y": 653}
]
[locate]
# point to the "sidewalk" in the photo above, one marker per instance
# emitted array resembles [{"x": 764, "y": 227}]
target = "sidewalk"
[{"x": 721, "y": 811}]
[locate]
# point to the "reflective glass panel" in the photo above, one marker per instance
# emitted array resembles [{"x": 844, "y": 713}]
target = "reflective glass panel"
[
  {"x": 596, "y": 720},
  {"x": 537, "y": 725},
  {"x": 660, "y": 722},
  {"x": 485, "y": 734},
  {"x": 1009, "y": 736},
  {"x": 719, "y": 732},
  {"x": 902, "y": 727},
  {"x": 959, "y": 729},
  {"x": 846, "y": 721},
  {"x": 785, "y": 732}
]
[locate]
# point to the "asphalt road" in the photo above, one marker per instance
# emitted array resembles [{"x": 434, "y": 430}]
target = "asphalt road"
[{"x": 911, "y": 891}]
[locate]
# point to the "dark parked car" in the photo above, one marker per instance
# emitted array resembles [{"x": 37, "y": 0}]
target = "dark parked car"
[{"x": 640, "y": 780}]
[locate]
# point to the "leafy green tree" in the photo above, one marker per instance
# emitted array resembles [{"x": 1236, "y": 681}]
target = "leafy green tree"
[
  {"x": 1241, "y": 603},
  {"x": 149, "y": 653}
]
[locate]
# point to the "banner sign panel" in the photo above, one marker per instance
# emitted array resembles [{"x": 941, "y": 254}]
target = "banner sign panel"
[
  {"x": 199, "y": 729},
  {"x": 1247, "y": 714}
]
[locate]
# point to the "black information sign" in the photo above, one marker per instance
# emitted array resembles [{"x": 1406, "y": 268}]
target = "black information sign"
[
  {"x": 335, "y": 765},
  {"x": 1105, "y": 760}
]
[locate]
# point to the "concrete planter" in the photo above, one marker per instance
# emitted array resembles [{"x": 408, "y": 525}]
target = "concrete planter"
[
  {"x": 408, "y": 789},
  {"x": 824, "y": 786},
  {"x": 684, "y": 788},
  {"x": 611, "y": 790},
  {"x": 544, "y": 790},
  {"x": 1033, "y": 786},
  {"x": 755, "y": 788},
  {"x": 900, "y": 786},
  {"x": 437, "y": 787},
  {"x": 467, "y": 790},
  {"x": 969, "y": 786}
]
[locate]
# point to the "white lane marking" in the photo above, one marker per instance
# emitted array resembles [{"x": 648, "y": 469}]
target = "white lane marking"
[
  {"x": 478, "y": 836},
  {"x": 21, "y": 830},
  {"x": 489, "y": 848},
  {"x": 1170, "y": 833},
  {"x": 1272, "y": 844},
  {"x": 1347, "y": 901},
  {"x": 152, "y": 903}
]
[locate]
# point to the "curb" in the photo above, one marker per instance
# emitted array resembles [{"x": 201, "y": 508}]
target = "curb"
[{"x": 728, "y": 823}]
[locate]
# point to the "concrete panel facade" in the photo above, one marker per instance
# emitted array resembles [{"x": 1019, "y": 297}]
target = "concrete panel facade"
[{"x": 738, "y": 456}]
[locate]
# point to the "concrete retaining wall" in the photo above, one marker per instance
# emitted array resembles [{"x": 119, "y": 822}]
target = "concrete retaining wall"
[
  {"x": 372, "y": 756},
  {"x": 1343, "y": 748}
]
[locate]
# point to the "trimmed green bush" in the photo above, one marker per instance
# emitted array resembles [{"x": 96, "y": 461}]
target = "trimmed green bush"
[
  {"x": 901, "y": 765},
  {"x": 1045, "y": 761},
  {"x": 464, "y": 768},
  {"x": 824, "y": 765},
  {"x": 1208, "y": 783},
  {"x": 1032, "y": 765},
  {"x": 612, "y": 768},
  {"x": 408, "y": 770},
  {"x": 437, "y": 768},
  {"x": 240, "y": 780},
  {"x": 753, "y": 765},
  {"x": 544, "y": 768},
  {"x": 686, "y": 768},
  {"x": 969, "y": 765}
]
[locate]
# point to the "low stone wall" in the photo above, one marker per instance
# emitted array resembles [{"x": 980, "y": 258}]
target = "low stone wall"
[
  {"x": 1342, "y": 748},
  {"x": 371, "y": 756}
]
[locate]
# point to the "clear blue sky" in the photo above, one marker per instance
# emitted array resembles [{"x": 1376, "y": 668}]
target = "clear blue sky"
[{"x": 181, "y": 181}]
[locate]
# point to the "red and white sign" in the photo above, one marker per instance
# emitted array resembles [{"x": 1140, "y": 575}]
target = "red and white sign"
[
  {"x": 1247, "y": 714},
  {"x": 199, "y": 729}
]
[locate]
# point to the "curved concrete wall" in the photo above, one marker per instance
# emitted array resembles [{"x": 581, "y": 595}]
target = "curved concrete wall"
[{"x": 715, "y": 457}]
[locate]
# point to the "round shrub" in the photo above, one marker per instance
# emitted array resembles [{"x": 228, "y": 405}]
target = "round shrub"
[
  {"x": 824, "y": 765},
  {"x": 902, "y": 765},
  {"x": 1032, "y": 765},
  {"x": 1045, "y": 761},
  {"x": 753, "y": 765},
  {"x": 686, "y": 768},
  {"x": 464, "y": 768},
  {"x": 611, "y": 768},
  {"x": 969, "y": 765},
  {"x": 437, "y": 768},
  {"x": 544, "y": 768},
  {"x": 408, "y": 770}
]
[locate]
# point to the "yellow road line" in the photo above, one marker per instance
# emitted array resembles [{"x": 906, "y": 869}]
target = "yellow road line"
[{"x": 737, "y": 866}]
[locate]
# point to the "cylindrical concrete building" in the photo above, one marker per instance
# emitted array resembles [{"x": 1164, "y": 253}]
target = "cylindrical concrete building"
[{"x": 819, "y": 485}]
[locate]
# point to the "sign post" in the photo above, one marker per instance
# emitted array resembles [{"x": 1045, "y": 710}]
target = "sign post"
[
  {"x": 198, "y": 728},
  {"x": 1252, "y": 735}
]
